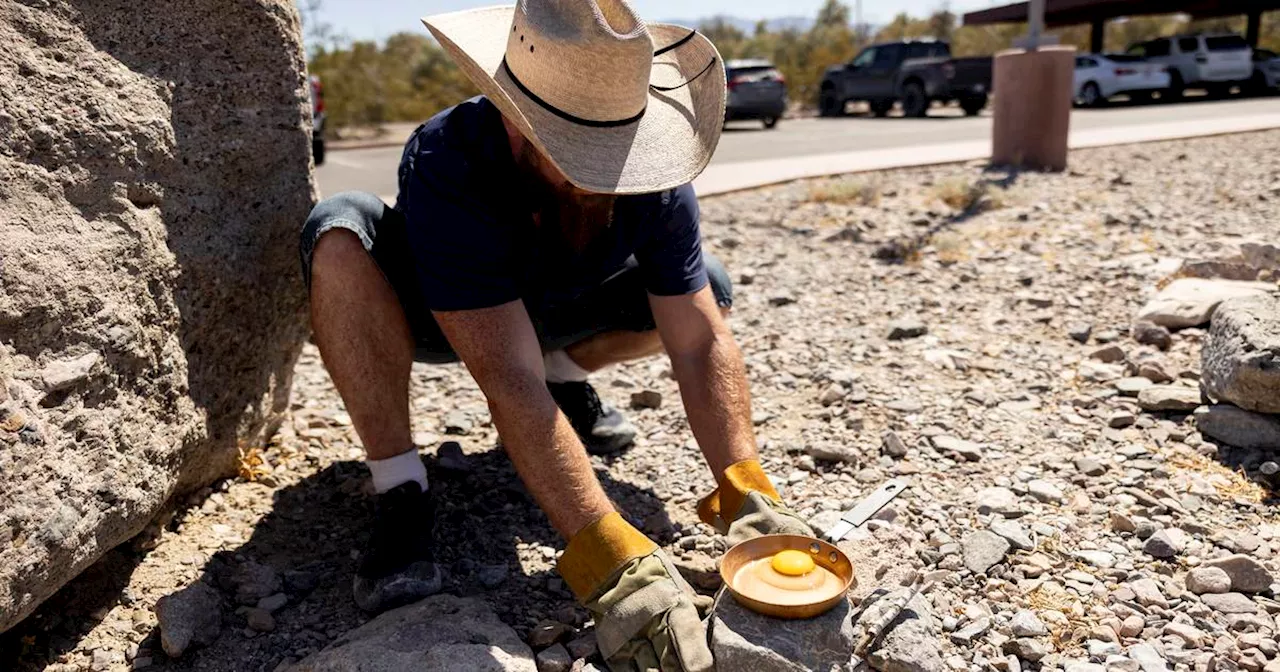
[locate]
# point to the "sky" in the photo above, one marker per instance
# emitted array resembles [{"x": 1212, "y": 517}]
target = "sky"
[{"x": 376, "y": 19}]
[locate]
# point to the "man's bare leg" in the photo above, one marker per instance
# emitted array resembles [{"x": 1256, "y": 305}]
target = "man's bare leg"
[
  {"x": 614, "y": 347},
  {"x": 368, "y": 349},
  {"x": 365, "y": 341}
]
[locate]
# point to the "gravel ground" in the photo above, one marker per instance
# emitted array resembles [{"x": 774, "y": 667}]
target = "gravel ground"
[{"x": 923, "y": 323}]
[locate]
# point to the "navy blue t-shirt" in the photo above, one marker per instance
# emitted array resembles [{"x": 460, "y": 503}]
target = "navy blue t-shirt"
[{"x": 475, "y": 242}]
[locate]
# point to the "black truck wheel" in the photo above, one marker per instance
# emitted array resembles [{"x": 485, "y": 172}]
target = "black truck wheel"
[
  {"x": 914, "y": 102},
  {"x": 973, "y": 105},
  {"x": 830, "y": 105}
]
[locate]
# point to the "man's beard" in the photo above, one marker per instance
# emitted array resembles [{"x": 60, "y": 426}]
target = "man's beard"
[{"x": 565, "y": 213}]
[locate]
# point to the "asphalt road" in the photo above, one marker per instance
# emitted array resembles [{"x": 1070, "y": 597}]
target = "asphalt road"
[{"x": 374, "y": 170}]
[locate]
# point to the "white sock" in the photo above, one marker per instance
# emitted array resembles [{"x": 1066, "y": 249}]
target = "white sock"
[
  {"x": 393, "y": 471},
  {"x": 562, "y": 369}
]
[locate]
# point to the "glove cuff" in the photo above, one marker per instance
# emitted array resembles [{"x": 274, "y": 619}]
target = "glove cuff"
[
  {"x": 722, "y": 506},
  {"x": 597, "y": 551}
]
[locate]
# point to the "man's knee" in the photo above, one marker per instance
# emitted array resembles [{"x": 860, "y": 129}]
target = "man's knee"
[
  {"x": 721, "y": 285},
  {"x": 351, "y": 217}
]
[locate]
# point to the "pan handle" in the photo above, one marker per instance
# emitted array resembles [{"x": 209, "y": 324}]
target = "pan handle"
[{"x": 869, "y": 506}]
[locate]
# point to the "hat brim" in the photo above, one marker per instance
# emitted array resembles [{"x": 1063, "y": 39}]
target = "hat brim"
[{"x": 668, "y": 146}]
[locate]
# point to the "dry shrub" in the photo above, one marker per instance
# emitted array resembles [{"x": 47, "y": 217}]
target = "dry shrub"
[
  {"x": 951, "y": 247},
  {"x": 863, "y": 192},
  {"x": 251, "y": 465},
  {"x": 971, "y": 197}
]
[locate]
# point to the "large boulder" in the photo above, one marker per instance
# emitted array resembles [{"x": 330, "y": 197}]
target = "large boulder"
[
  {"x": 1190, "y": 302},
  {"x": 1240, "y": 361},
  {"x": 154, "y": 172},
  {"x": 439, "y": 633}
]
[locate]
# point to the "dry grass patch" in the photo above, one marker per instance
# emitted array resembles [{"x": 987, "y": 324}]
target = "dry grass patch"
[
  {"x": 951, "y": 246},
  {"x": 969, "y": 196},
  {"x": 1231, "y": 484},
  {"x": 865, "y": 192},
  {"x": 251, "y": 466}
]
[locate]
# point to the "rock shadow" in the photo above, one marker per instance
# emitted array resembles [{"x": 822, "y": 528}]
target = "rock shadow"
[{"x": 307, "y": 548}]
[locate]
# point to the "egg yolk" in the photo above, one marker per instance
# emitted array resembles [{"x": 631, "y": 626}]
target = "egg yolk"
[{"x": 792, "y": 563}]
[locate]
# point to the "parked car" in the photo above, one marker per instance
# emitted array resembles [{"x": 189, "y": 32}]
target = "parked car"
[
  {"x": 1101, "y": 76},
  {"x": 317, "y": 120},
  {"x": 915, "y": 72},
  {"x": 756, "y": 91},
  {"x": 1266, "y": 72},
  {"x": 1215, "y": 62}
]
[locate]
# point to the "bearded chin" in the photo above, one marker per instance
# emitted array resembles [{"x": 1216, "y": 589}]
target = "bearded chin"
[
  {"x": 571, "y": 215},
  {"x": 579, "y": 217}
]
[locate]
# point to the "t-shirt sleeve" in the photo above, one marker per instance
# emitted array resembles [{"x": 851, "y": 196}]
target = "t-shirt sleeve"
[
  {"x": 461, "y": 242},
  {"x": 671, "y": 258}
]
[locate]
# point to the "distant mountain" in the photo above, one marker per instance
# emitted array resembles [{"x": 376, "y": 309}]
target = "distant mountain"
[{"x": 748, "y": 26}]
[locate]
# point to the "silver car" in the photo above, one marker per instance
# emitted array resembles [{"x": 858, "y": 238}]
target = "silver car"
[{"x": 756, "y": 91}]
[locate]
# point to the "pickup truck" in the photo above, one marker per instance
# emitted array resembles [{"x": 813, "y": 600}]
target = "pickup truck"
[{"x": 915, "y": 72}]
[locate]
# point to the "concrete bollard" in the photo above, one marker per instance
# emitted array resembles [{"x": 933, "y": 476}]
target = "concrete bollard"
[{"x": 1032, "y": 107}]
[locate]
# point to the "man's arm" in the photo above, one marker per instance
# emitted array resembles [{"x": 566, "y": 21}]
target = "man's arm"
[
  {"x": 500, "y": 349},
  {"x": 713, "y": 380}
]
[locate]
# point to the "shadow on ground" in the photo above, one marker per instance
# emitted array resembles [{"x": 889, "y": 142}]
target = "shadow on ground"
[{"x": 311, "y": 539}]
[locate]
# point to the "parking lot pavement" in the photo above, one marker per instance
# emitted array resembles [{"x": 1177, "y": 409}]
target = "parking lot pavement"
[{"x": 374, "y": 169}]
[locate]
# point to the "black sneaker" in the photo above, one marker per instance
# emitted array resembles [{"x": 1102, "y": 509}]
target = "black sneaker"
[
  {"x": 398, "y": 566},
  {"x": 602, "y": 428}
]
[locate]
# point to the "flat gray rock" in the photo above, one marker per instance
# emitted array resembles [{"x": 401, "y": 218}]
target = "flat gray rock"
[
  {"x": 967, "y": 450},
  {"x": 1247, "y": 575},
  {"x": 1013, "y": 533},
  {"x": 982, "y": 550},
  {"x": 999, "y": 500},
  {"x": 1240, "y": 360},
  {"x": 1169, "y": 398},
  {"x": 1189, "y": 302},
  {"x": 1238, "y": 427},
  {"x": 440, "y": 633},
  {"x": 744, "y": 640},
  {"x": 1229, "y": 603}
]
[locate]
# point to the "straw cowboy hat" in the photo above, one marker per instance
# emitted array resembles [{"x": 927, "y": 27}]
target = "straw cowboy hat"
[{"x": 618, "y": 105}]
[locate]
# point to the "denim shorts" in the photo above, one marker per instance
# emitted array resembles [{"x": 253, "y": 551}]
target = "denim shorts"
[{"x": 619, "y": 303}]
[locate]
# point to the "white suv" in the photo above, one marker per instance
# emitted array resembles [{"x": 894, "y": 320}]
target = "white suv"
[{"x": 1215, "y": 62}]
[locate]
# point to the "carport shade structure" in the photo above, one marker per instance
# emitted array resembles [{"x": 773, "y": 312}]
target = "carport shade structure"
[{"x": 1059, "y": 13}]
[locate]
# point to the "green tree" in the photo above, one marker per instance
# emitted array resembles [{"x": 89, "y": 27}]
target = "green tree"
[
  {"x": 833, "y": 14},
  {"x": 942, "y": 24}
]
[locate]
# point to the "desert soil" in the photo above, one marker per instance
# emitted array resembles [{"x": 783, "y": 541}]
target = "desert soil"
[{"x": 937, "y": 304}]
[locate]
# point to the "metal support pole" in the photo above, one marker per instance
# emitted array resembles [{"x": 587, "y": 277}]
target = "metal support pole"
[
  {"x": 1097, "y": 37},
  {"x": 1035, "y": 24},
  {"x": 1254, "y": 28}
]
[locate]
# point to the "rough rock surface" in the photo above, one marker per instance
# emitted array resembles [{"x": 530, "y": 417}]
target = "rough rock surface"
[
  {"x": 192, "y": 615},
  {"x": 1247, "y": 575},
  {"x": 154, "y": 170},
  {"x": 1190, "y": 302},
  {"x": 911, "y": 643},
  {"x": 1240, "y": 361},
  {"x": 744, "y": 640},
  {"x": 443, "y": 632},
  {"x": 1172, "y": 398},
  {"x": 1238, "y": 427}
]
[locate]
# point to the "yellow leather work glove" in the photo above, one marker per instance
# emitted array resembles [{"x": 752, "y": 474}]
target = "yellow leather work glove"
[
  {"x": 746, "y": 505},
  {"x": 643, "y": 609}
]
